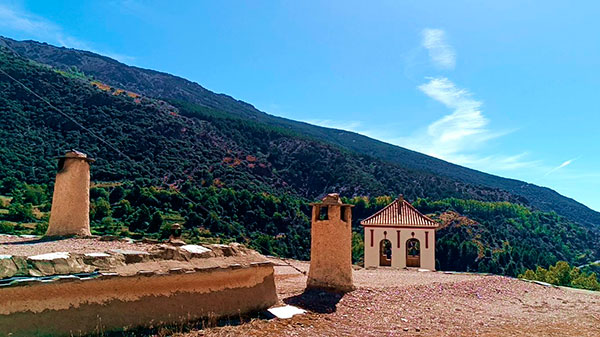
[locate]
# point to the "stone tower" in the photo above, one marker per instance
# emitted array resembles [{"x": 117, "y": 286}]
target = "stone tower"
[
  {"x": 70, "y": 212},
  {"x": 331, "y": 245}
]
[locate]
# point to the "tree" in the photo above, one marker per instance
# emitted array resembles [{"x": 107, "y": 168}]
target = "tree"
[
  {"x": 586, "y": 282},
  {"x": 40, "y": 228},
  {"x": 6, "y": 228},
  {"x": 358, "y": 248},
  {"x": 264, "y": 244},
  {"x": 21, "y": 212},
  {"x": 100, "y": 209},
  {"x": 98, "y": 192},
  {"x": 563, "y": 275},
  {"x": 193, "y": 220},
  {"x": 141, "y": 219},
  {"x": 559, "y": 274},
  {"x": 156, "y": 222},
  {"x": 116, "y": 194},
  {"x": 8, "y": 184},
  {"x": 35, "y": 194},
  {"x": 123, "y": 209}
]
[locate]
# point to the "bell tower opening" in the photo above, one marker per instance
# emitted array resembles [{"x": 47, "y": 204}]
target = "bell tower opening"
[
  {"x": 413, "y": 253},
  {"x": 385, "y": 253}
]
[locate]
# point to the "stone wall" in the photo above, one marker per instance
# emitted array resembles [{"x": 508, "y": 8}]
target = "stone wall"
[
  {"x": 82, "y": 306},
  {"x": 67, "y": 294}
]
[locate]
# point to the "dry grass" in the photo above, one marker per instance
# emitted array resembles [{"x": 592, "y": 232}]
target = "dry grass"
[
  {"x": 5, "y": 201},
  {"x": 19, "y": 246}
]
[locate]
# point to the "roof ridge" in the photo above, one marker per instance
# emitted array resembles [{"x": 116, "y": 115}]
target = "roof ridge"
[
  {"x": 419, "y": 213},
  {"x": 408, "y": 216},
  {"x": 379, "y": 211}
]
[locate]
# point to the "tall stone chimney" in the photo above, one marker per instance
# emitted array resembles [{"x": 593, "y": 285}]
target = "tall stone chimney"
[
  {"x": 331, "y": 245},
  {"x": 70, "y": 212}
]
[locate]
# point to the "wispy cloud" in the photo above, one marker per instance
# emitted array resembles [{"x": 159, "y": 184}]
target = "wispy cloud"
[
  {"x": 460, "y": 135},
  {"x": 463, "y": 129},
  {"x": 354, "y": 126},
  {"x": 498, "y": 162},
  {"x": 441, "y": 53},
  {"x": 37, "y": 27},
  {"x": 10, "y": 18},
  {"x": 564, "y": 164}
]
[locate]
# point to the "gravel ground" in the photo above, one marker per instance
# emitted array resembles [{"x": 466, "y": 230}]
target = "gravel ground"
[
  {"x": 20, "y": 246},
  {"x": 391, "y": 302},
  {"x": 407, "y": 303}
]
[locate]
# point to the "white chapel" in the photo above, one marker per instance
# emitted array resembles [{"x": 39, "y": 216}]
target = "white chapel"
[{"x": 399, "y": 236}]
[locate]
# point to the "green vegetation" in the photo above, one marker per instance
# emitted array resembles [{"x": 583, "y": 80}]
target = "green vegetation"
[
  {"x": 506, "y": 238},
  {"x": 562, "y": 274},
  {"x": 275, "y": 225},
  {"x": 187, "y": 143},
  {"x": 228, "y": 177},
  {"x": 151, "y": 83}
]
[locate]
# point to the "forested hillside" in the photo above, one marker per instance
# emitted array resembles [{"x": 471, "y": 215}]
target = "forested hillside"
[
  {"x": 225, "y": 177},
  {"x": 495, "y": 237},
  {"x": 166, "y": 143},
  {"x": 160, "y": 85}
]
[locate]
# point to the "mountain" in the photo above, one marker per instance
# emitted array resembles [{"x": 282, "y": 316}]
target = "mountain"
[
  {"x": 180, "y": 91},
  {"x": 184, "y": 142},
  {"x": 228, "y": 177}
]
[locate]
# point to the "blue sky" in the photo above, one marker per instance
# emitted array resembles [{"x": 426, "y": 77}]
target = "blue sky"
[{"x": 506, "y": 87}]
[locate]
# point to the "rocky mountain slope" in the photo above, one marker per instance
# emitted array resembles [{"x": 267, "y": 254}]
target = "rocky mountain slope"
[
  {"x": 165, "y": 86},
  {"x": 185, "y": 143},
  {"x": 236, "y": 178}
]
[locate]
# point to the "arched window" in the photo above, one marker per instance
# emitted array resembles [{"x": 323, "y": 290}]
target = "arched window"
[
  {"x": 413, "y": 253},
  {"x": 385, "y": 253}
]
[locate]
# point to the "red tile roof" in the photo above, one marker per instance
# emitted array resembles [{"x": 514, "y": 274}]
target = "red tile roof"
[{"x": 399, "y": 213}]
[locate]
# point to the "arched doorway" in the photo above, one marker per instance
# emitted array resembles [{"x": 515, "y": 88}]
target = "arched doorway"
[
  {"x": 413, "y": 253},
  {"x": 385, "y": 253}
]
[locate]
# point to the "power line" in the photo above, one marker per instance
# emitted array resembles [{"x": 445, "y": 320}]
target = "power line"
[
  {"x": 67, "y": 116},
  {"x": 95, "y": 135}
]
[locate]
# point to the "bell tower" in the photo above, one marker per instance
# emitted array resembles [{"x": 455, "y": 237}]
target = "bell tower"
[{"x": 331, "y": 245}]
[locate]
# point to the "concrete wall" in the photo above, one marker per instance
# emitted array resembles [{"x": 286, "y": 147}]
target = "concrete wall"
[
  {"x": 331, "y": 249},
  {"x": 399, "y": 253},
  {"x": 70, "y": 210},
  {"x": 97, "y": 305}
]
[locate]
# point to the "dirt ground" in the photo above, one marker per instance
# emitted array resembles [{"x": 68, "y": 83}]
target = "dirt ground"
[
  {"x": 411, "y": 303},
  {"x": 27, "y": 246}
]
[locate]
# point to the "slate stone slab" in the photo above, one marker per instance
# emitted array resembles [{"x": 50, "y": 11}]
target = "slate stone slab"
[
  {"x": 132, "y": 256},
  {"x": 197, "y": 251}
]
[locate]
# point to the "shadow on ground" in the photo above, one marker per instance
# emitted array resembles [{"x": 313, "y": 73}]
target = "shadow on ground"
[
  {"x": 34, "y": 241},
  {"x": 316, "y": 300}
]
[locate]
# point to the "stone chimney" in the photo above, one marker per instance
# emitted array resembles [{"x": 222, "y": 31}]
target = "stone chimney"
[
  {"x": 70, "y": 212},
  {"x": 331, "y": 245}
]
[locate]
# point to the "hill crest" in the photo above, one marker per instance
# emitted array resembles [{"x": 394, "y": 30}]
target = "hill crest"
[{"x": 182, "y": 92}]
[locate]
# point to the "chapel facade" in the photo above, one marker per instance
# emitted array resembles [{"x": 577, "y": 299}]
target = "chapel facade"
[{"x": 399, "y": 236}]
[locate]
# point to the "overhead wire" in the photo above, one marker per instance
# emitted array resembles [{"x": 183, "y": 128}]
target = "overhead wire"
[
  {"x": 105, "y": 142},
  {"x": 95, "y": 135}
]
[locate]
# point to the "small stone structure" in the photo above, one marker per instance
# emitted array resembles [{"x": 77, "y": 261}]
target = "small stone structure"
[
  {"x": 399, "y": 236},
  {"x": 331, "y": 245},
  {"x": 70, "y": 212},
  {"x": 69, "y": 294}
]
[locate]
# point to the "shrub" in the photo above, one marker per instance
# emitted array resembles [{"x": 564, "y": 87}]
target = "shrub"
[{"x": 562, "y": 274}]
